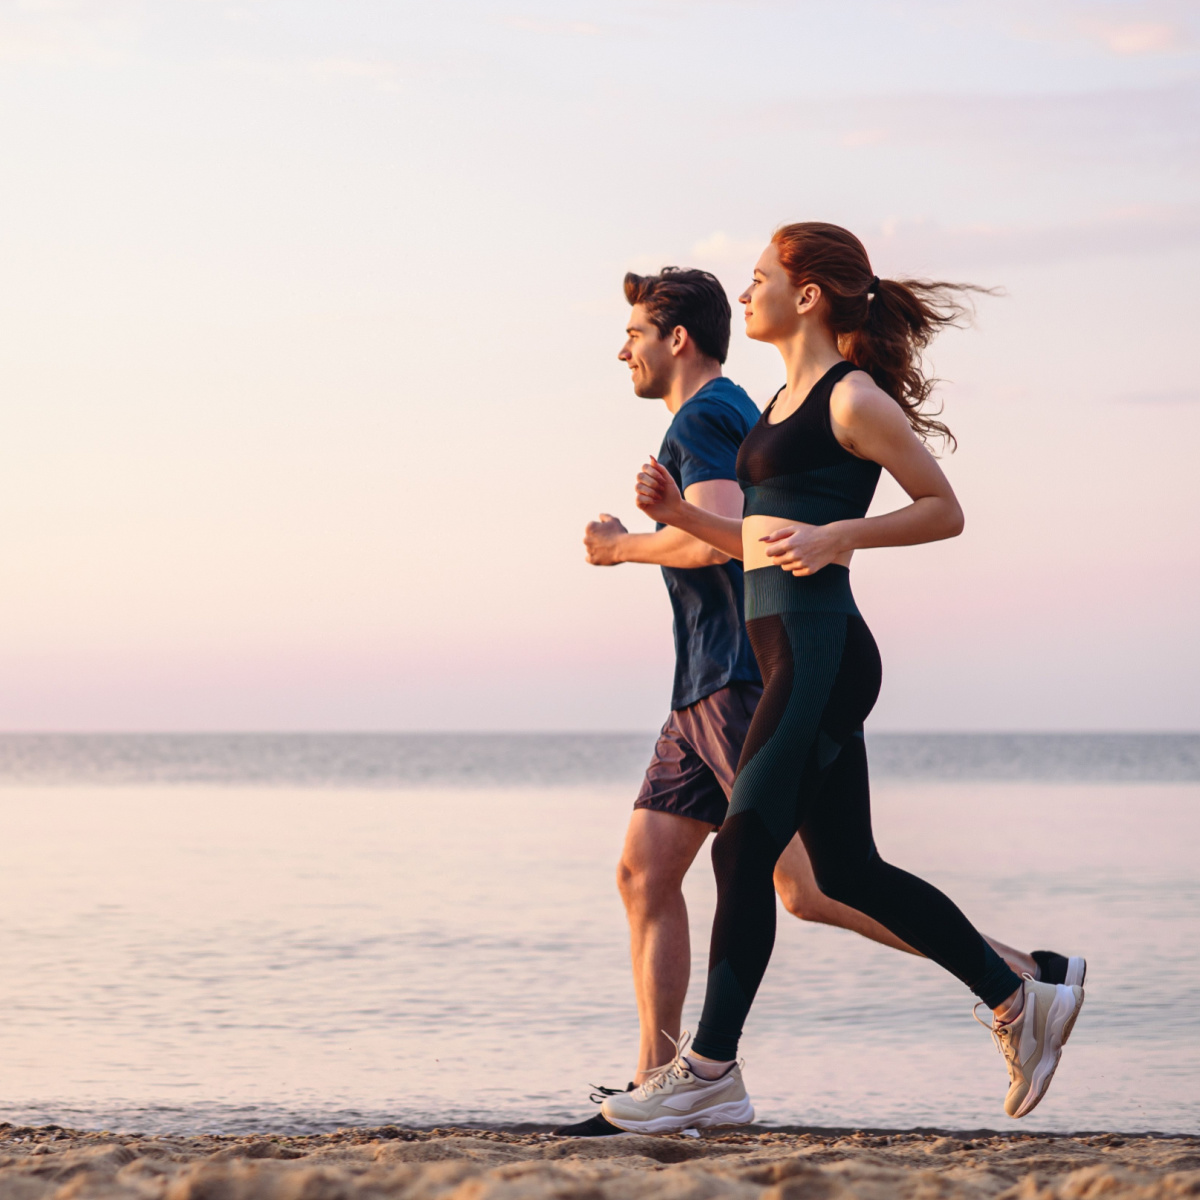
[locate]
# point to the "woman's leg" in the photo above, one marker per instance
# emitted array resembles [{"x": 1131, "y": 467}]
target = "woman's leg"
[
  {"x": 799, "y": 655},
  {"x": 798, "y": 892},
  {"x": 804, "y": 767},
  {"x": 835, "y": 827},
  {"x": 797, "y": 889}
]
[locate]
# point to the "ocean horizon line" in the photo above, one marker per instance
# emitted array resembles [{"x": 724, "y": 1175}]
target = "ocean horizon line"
[
  {"x": 553, "y": 758},
  {"x": 1091, "y": 732}
]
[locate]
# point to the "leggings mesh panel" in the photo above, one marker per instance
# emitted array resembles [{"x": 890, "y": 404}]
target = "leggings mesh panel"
[{"x": 804, "y": 769}]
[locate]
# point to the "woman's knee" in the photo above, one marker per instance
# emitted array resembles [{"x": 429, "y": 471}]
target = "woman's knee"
[
  {"x": 744, "y": 854},
  {"x": 803, "y": 899},
  {"x": 848, "y": 883}
]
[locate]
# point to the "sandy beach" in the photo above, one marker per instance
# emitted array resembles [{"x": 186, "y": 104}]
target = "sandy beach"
[{"x": 463, "y": 1164}]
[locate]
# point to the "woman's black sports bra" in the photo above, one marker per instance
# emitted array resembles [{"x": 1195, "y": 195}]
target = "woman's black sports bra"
[{"x": 799, "y": 470}]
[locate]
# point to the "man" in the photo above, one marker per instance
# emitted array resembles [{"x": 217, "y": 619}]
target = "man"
[{"x": 676, "y": 343}]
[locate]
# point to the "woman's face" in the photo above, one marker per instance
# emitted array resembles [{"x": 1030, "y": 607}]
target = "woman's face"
[
  {"x": 773, "y": 307},
  {"x": 770, "y": 300}
]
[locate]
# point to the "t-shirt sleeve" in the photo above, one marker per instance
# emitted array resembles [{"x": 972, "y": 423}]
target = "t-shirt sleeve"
[{"x": 706, "y": 446}]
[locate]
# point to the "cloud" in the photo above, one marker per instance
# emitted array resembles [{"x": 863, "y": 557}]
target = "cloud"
[
  {"x": 1150, "y": 127},
  {"x": 384, "y": 75},
  {"x": 1119, "y": 27},
  {"x": 1189, "y": 396},
  {"x": 720, "y": 248},
  {"x": 68, "y": 31},
  {"x": 863, "y": 137},
  {"x": 1136, "y": 37},
  {"x": 559, "y": 28},
  {"x": 918, "y": 245}
]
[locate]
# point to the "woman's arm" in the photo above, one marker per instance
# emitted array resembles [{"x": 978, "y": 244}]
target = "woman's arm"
[
  {"x": 869, "y": 423},
  {"x": 658, "y": 497}
]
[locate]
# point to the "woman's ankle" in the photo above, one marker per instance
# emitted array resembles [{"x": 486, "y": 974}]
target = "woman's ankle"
[{"x": 708, "y": 1068}]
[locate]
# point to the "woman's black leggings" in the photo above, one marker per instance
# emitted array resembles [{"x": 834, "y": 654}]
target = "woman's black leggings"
[{"x": 804, "y": 768}]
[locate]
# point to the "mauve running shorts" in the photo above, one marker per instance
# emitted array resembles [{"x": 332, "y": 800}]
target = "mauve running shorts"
[{"x": 696, "y": 756}]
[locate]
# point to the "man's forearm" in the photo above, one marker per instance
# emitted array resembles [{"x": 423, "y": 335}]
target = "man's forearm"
[{"x": 668, "y": 548}]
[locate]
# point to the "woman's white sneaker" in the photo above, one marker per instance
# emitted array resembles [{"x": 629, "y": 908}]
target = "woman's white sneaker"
[
  {"x": 679, "y": 1099},
  {"x": 1032, "y": 1044}
]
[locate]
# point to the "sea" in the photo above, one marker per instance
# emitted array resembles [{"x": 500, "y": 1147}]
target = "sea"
[{"x": 298, "y": 933}]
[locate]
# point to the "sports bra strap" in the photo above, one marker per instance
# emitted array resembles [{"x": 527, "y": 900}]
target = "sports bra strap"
[
  {"x": 824, "y": 386},
  {"x": 837, "y": 373}
]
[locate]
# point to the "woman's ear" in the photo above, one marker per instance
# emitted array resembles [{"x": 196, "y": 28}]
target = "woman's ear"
[{"x": 808, "y": 297}]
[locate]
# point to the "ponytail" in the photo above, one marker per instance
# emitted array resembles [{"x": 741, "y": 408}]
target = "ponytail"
[{"x": 882, "y": 325}]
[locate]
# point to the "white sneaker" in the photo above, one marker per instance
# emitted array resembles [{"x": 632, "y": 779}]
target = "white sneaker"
[
  {"x": 1032, "y": 1044},
  {"x": 1060, "y": 968},
  {"x": 676, "y": 1099},
  {"x": 1076, "y": 971}
]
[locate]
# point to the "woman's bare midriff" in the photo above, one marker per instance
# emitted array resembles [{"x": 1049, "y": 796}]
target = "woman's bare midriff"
[{"x": 754, "y": 552}]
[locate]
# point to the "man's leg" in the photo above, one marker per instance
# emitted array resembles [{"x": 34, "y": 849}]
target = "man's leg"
[
  {"x": 659, "y": 849},
  {"x": 797, "y": 888}
]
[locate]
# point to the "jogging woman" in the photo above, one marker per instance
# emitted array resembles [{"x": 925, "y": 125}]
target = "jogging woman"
[{"x": 854, "y": 403}]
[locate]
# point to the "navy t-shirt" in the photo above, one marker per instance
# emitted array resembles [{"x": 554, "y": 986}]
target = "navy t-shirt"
[{"x": 711, "y": 646}]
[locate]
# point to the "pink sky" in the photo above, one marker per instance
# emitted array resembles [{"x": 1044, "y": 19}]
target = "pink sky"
[{"x": 308, "y": 334}]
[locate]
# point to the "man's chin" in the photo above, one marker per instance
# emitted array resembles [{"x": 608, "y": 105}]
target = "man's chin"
[{"x": 648, "y": 391}]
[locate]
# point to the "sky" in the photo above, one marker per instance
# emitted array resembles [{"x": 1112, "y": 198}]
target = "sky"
[{"x": 309, "y": 315}]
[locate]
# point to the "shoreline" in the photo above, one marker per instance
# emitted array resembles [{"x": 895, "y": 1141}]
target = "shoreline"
[{"x": 527, "y": 1163}]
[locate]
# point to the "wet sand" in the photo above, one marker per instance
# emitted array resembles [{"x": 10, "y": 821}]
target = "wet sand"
[{"x": 466, "y": 1164}]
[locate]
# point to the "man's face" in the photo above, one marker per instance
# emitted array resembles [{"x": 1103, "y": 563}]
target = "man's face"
[{"x": 651, "y": 363}]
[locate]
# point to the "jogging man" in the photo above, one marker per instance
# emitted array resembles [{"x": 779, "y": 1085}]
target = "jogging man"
[{"x": 676, "y": 342}]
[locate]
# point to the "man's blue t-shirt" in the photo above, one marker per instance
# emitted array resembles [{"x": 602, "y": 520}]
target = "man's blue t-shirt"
[{"x": 711, "y": 646}]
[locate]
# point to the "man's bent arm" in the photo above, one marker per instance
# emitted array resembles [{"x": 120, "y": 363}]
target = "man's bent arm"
[{"x": 669, "y": 547}]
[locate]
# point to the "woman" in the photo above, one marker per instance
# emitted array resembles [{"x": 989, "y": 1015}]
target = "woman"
[{"x": 854, "y": 404}]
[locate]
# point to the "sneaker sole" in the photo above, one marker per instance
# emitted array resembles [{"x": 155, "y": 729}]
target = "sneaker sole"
[
  {"x": 733, "y": 1112},
  {"x": 1076, "y": 971},
  {"x": 1064, "y": 1012},
  {"x": 589, "y": 1137}
]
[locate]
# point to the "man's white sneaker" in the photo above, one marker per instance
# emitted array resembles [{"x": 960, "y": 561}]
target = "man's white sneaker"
[
  {"x": 1032, "y": 1044},
  {"x": 679, "y": 1099}
]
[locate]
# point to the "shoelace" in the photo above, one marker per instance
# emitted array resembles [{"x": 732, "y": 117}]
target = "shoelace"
[
  {"x": 600, "y": 1093},
  {"x": 675, "y": 1069},
  {"x": 999, "y": 1038},
  {"x": 1002, "y": 1037}
]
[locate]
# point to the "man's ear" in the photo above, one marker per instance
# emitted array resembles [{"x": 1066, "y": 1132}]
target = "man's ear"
[{"x": 679, "y": 340}]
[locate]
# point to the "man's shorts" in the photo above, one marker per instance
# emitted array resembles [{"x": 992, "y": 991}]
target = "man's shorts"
[{"x": 696, "y": 757}]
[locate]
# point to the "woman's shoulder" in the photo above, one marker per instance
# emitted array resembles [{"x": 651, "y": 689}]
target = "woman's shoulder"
[{"x": 857, "y": 397}]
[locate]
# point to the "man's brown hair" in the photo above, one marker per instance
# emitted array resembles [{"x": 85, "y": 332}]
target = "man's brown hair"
[{"x": 680, "y": 296}]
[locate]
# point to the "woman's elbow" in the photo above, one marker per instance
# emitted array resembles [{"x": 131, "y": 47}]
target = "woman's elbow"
[
  {"x": 717, "y": 558},
  {"x": 956, "y": 521}
]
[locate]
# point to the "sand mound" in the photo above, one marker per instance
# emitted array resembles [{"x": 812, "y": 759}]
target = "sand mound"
[{"x": 395, "y": 1164}]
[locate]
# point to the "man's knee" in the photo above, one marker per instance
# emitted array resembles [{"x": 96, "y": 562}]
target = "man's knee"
[
  {"x": 647, "y": 885},
  {"x": 659, "y": 849}
]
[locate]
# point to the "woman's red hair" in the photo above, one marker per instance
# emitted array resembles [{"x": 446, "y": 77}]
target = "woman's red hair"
[{"x": 882, "y": 325}]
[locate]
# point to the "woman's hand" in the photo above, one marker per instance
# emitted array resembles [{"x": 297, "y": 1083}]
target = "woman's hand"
[
  {"x": 804, "y": 549},
  {"x": 658, "y": 495}
]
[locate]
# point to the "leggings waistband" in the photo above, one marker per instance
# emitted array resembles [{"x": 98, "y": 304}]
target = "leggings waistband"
[{"x": 771, "y": 590}]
